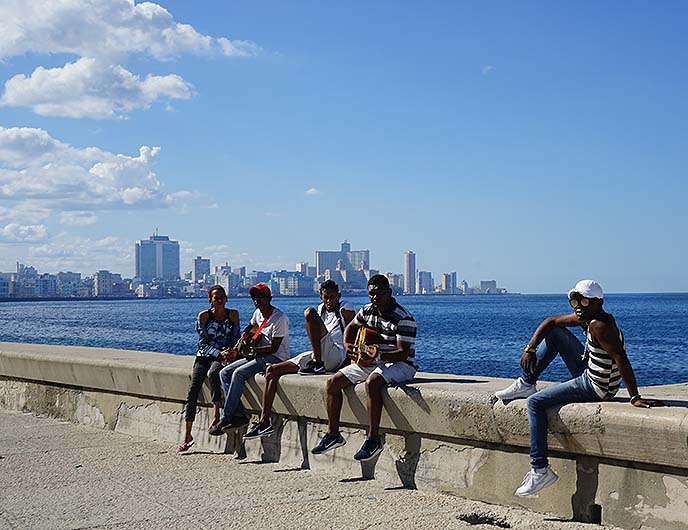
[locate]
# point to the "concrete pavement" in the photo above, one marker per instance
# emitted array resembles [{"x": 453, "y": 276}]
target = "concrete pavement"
[{"x": 58, "y": 475}]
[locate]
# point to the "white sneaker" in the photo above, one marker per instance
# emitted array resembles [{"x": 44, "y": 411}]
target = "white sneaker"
[
  {"x": 517, "y": 389},
  {"x": 535, "y": 480}
]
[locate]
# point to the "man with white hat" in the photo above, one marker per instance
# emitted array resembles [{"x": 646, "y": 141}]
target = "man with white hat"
[{"x": 596, "y": 369}]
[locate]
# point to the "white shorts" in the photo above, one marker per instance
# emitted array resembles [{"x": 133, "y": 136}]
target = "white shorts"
[
  {"x": 332, "y": 356},
  {"x": 393, "y": 373}
]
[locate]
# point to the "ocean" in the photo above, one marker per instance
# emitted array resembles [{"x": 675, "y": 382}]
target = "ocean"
[{"x": 463, "y": 335}]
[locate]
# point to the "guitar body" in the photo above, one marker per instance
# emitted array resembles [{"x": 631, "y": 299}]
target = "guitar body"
[
  {"x": 240, "y": 349},
  {"x": 364, "y": 338}
]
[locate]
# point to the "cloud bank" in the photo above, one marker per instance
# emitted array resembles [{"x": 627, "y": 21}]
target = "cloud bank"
[{"x": 101, "y": 34}]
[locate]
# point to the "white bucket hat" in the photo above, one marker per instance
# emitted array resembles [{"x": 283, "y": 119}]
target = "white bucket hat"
[{"x": 588, "y": 288}]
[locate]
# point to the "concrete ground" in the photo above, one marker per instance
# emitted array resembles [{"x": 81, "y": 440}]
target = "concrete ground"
[{"x": 57, "y": 475}]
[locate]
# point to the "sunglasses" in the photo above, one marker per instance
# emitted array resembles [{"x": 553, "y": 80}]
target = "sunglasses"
[
  {"x": 575, "y": 302},
  {"x": 258, "y": 296}
]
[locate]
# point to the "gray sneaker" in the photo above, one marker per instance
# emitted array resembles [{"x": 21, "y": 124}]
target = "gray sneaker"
[
  {"x": 536, "y": 480},
  {"x": 313, "y": 367},
  {"x": 517, "y": 389}
]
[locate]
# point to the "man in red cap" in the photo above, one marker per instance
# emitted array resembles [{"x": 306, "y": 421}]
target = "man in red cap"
[
  {"x": 264, "y": 341},
  {"x": 596, "y": 369},
  {"x": 325, "y": 327}
]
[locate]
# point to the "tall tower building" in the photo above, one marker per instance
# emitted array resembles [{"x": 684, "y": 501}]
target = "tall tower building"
[
  {"x": 343, "y": 259},
  {"x": 157, "y": 257},
  {"x": 409, "y": 272},
  {"x": 200, "y": 267}
]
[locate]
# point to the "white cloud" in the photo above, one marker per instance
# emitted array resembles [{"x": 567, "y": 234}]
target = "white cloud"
[
  {"x": 104, "y": 28},
  {"x": 66, "y": 252},
  {"x": 102, "y": 34},
  {"x": 89, "y": 88},
  {"x": 238, "y": 48},
  {"x": 487, "y": 69},
  {"x": 25, "y": 212},
  {"x": 78, "y": 218},
  {"x": 33, "y": 165},
  {"x": 17, "y": 232},
  {"x": 312, "y": 191}
]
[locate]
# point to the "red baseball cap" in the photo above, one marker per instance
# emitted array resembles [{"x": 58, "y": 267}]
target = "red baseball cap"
[{"x": 260, "y": 288}]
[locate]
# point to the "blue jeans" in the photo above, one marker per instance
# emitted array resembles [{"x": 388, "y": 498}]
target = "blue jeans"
[
  {"x": 234, "y": 377},
  {"x": 576, "y": 390}
]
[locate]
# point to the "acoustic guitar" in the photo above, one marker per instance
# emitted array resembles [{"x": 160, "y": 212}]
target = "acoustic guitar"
[{"x": 363, "y": 354}]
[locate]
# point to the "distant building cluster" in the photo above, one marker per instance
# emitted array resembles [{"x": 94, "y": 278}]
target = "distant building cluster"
[{"x": 157, "y": 267}]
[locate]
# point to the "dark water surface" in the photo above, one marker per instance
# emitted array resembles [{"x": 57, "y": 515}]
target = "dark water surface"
[{"x": 465, "y": 335}]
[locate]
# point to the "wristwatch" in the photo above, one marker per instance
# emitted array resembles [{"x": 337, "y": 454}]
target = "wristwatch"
[{"x": 530, "y": 349}]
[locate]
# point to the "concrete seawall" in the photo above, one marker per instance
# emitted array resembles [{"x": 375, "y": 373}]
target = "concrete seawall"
[{"x": 617, "y": 464}]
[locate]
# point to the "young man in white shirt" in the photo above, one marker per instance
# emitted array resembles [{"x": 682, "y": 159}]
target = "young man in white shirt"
[
  {"x": 325, "y": 327},
  {"x": 265, "y": 341}
]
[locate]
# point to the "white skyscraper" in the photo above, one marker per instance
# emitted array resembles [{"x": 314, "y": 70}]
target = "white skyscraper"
[
  {"x": 409, "y": 272},
  {"x": 157, "y": 257}
]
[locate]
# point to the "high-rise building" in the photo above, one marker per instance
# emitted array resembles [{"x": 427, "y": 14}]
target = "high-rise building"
[
  {"x": 157, "y": 258},
  {"x": 46, "y": 285},
  {"x": 409, "y": 272},
  {"x": 200, "y": 269},
  {"x": 449, "y": 285},
  {"x": 425, "y": 284},
  {"x": 102, "y": 283},
  {"x": 302, "y": 267},
  {"x": 488, "y": 287},
  {"x": 343, "y": 259},
  {"x": 68, "y": 283}
]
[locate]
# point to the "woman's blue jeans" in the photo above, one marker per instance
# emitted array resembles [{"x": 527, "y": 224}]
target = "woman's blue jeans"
[
  {"x": 234, "y": 377},
  {"x": 576, "y": 390}
]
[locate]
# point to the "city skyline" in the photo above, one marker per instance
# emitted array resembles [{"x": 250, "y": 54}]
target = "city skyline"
[
  {"x": 157, "y": 258},
  {"x": 535, "y": 143}
]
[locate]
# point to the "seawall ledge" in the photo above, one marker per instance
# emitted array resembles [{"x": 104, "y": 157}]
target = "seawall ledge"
[{"x": 441, "y": 431}]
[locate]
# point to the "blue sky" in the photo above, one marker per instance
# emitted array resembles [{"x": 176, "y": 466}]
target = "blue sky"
[{"x": 535, "y": 143}]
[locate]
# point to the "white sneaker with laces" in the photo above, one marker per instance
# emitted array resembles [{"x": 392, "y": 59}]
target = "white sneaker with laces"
[
  {"x": 535, "y": 480},
  {"x": 517, "y": 389}
]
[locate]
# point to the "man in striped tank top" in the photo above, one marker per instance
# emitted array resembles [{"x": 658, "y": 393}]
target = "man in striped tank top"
[{"x": 596, "y": 369}]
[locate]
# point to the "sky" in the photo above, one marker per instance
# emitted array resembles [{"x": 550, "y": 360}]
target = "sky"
[{"x": 535, "y": 143}]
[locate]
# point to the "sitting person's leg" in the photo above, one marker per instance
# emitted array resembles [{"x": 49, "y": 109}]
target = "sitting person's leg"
[
  {"x": 272, "y": 376},
  {"x": 215, "y": 390},
  {"x": 383, "y": 375},
  {"x": 198, "y": 374},
  {"x": 233, "y": 379},
  {"x": 273, "y": 373},
  {"x": 562, "y": 342},
  {"x": 316, "y": 332},
  {"x": 577, "y": 390},
  {"x": 336, "y": 384},
  {"x": 559, "y": 341}
]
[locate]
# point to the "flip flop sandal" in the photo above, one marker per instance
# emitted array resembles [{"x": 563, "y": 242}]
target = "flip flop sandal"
[{"x": 184, "y": 446}]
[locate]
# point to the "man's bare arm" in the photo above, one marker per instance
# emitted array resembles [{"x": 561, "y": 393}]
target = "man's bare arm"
[
  {"x": 350, "y": 336},
  {"x": 607, "y": 337},
  {"x": 348, "y": 315}
]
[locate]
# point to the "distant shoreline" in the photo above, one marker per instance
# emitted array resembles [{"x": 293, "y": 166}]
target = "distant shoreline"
[
  {"x": 118, "y": 298},
  {"x": 314, "y": 295}
]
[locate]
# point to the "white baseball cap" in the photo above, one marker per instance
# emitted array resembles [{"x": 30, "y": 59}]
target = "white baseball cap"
[{"x": 588, "y": 288}]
